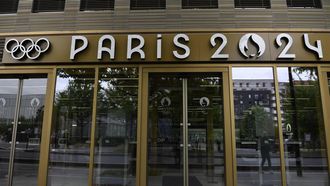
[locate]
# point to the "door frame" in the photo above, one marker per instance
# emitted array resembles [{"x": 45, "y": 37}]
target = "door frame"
[
  {"x": 46, "y": 124},
  {"x": 325, "y": 98},
  {"x": 142, "y": 152}
]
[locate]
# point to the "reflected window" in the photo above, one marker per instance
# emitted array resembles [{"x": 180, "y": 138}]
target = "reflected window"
[
  {"x": 329, "y": 81},
  {"x": 8, "y": 6},
  {"x": 48, "y": 6},
  {"x": 147, "y": 4},
  {"x": 86, "y": 5},
  {"x": 256, "y": 129},
  {"x": 116, "y": 124},
  {"x": 303, "y": 128},
  {"x": 70, "y": 135}
]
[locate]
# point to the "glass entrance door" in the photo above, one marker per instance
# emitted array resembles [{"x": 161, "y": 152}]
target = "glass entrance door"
[
  {"x": 185, "y": 129},
  {"x": 21, "y": 116}
]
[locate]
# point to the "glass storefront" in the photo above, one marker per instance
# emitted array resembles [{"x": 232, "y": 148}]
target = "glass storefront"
[{"x": 168, "y": 126}]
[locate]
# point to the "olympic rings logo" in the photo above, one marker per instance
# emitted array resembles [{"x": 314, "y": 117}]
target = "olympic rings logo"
[{"x": 27, "y": 47}]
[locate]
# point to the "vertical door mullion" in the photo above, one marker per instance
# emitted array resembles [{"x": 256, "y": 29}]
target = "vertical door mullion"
[
  {"x": 230, "y": 134},
  {"x": 325, "y": 98},
  {"x": 13, "y": 139},
  {"x": 185, "y": 132},
  {"x": 46, "y": 129},
  {"x": 280, "y": 131},
  {"x": 93, "y": 128},
  {"x": 229, "y": 129},
  {"x": 142, "y": 128}
]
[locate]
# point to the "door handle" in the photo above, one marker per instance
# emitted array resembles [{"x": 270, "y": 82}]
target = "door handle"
[{"x": 188, "y": 124}]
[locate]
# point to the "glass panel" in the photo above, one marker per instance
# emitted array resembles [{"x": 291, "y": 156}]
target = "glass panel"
[
  {"x": 116, "y": 122},
  {"x": 164, "y": 131},
  {"x": 329, "y": 82},
  {"x": 8, "y": 6},
  {"x": 48, "y": 5},
  {"x": 303, "y": 127},
  {"x": 199, "y": 4},
  {"x": 252, "y": 3},
  {"x": 147, "y": 4},
  {"x": 256, "y": 128},
  {"x": 72, "y": 119},
  {"x": 28, "y": 135},
  {"x": 96, "y": 5},
  {"x": 205, "y": 133},
  {"x": 8, "y": 96}
]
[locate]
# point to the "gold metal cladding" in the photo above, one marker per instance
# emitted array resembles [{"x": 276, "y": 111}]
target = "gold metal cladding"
[
  {"x": 232, "y": 129},
  {"x": 142, "y": 132},
  {"x": 46, "y": 129},
  {"x": 92, "y": 145},
  {"x": 190, "y": 30},
  {"x": 228, "y": 131},
  {"x": 325, "y": 96},
  {"x": 199, "y": 44},
  {"x": 279, "y": 124},
  {"x": 139, "y": 131}
]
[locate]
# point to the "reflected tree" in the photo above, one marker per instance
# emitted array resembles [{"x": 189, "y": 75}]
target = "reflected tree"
[
  {"x": 74, "y": 104},
  {"x": 256, "y": 123}
]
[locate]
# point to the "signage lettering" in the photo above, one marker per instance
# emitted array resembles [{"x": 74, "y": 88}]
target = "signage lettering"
[
  {"x": 110, "y": 50},
  {"x": 170, "y": 47},
  {"x": 317, "y": 49},
  {"x": 75, "y": 50}
]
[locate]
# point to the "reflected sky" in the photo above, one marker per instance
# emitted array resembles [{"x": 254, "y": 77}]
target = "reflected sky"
[
  {"x": 283, "y": 75},
  {"x": 31, "y": 86},
  {"x": 252, "y": 73},
  {"x": 62, "y": 84}
]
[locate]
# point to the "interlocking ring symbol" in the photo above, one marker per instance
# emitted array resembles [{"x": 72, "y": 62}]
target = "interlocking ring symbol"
[{"x": 26, "y": 47}]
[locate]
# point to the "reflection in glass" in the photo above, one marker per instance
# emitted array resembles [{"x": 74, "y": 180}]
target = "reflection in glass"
[
  {"x": 116, "y": 122},
  {"x": 303, "y": 128},
  {"x": 28, "y": 135},
  {"x": 70, "y": 136},
  {"x": 8, "y": 97},
  {"x": 205, "y": 132},
  {"x": 257, "y": 141},
  {"x": 329, "y": 81},
  {"x": 165, "y": 162}
]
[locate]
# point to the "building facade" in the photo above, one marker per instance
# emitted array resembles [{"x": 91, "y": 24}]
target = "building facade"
[{"x": 164, "y": 92}]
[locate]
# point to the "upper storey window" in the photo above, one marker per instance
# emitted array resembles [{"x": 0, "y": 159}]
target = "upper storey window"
[
  {"x": 8, "y": 6},
  {"x": 252, "y": 3},
  {"x": 304, "y": 3},
  {"x": 97, "y": 5},
  {"x": 187, "y": 4},
  {"x": 147, "y": 4},
  {"x": 48, "y": 5}
]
